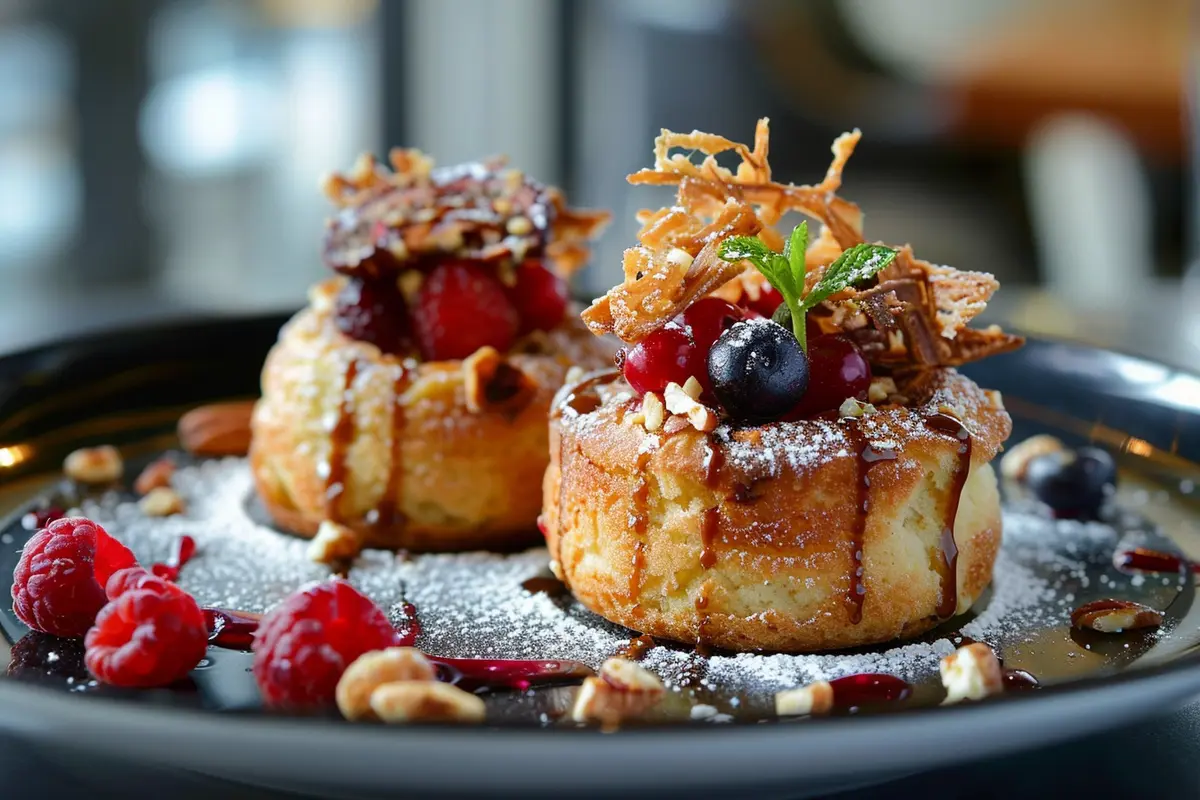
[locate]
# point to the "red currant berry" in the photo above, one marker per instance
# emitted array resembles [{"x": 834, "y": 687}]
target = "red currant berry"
[
  {"x": 768, "y": 300},
  {"x": 373, "y": 311},
  {"x": 837, "y": 370},
  {"x": 539, "y": 296},
  {"x": 666, "y": 356},
  {"x": 460, "y": 308}
]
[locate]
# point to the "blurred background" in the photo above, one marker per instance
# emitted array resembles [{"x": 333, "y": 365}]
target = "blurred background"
[{"x": 160, "y": 158}]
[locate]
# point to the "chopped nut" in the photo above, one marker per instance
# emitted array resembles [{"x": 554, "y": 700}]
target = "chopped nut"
[
  {"x": 971, "y": 672},
  {"x": 409, "y": 283},
  {"x": 425, "y": 701},
  {"x": 692, "y": 387},
  {"x": 679, "y": 401},
  {"x": 597, "y": 699},
  {"x": 881, "y": 389},
  {"x": 156, "y": 475},
  {"x": 680, "y": 258},
  {"x": 217, "y": 429},
  {"x": 815, "y": 698},
  {"x": 629, "y": 676},
  {"x": 161, "y": 501},
  {"x": 1015, "y": 463},
  {"x": 94, "y": 465},
  {"x": 652, "y": 411},
  {"x": 334, "y": 542},
  {"x": 995, "y": 398},
  {"x": 374, "y": 669},
  {"x": 852, "y": 407},
  {"x": 492, "y": 384},
  {"x": 519, "y": 226},
  {"x": 1115, "y": 616}
]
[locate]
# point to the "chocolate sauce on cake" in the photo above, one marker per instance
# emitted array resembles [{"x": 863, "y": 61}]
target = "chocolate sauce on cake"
[
  {"x": 339, "y": 442},
  {"x": 944, "y": 423}
]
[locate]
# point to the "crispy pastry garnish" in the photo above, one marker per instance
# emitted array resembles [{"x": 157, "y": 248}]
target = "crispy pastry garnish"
[
  {"x": 913, "y": 315},
  {"x": 390, "y": 218}
]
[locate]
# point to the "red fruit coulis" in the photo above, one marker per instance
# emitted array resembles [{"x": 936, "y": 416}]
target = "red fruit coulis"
[
  {"x": 185, "y": 548},
  {"x": 1141, "y": 559},
  {"x": 869, "y": 688}
]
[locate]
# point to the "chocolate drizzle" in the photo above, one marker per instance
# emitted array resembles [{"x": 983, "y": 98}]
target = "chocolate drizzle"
[
  {"x": 708, "y": 532},
  {"x": 944, "y": 423},
  {"x": 638, "y": 520},
  {"x": 388, "y": 514},
  {"x": 635, "y": 649},
  {"x": 866, "y": 456},
  {"x": 339, "y": 442}
]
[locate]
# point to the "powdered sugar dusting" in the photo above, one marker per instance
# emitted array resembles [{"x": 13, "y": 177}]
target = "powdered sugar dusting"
[{"x": 473, "y": 604}]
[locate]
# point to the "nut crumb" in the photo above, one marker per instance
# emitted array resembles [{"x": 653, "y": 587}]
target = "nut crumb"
[
  {"x": 628, "y": 676},
  {"x": 161, "y": 501},
  {"x": 374, "y": 669},
  {"x": 94, "y": 465},
  {"x": 425, "y": 701},
  {"x": 881, "y": 389},
  {"x": 1015, "y": 463},
  {"x": 813, "y": 699},
  {"x": 334, "y": 542},
  {"x": 852, "y": 407},
  {"x": 678, "y": 401},
  {"x": 599, "y": 700},
  {"x": 156, "y": 475},
  {"x": 652, "y": 411},
  {"x": 971, "y": 672}
]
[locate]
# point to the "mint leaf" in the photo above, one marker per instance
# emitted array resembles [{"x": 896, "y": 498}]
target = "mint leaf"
[
  {"x": 794, "y": 250},
  {"x": 776, "y": 268},
  {"x": 853, "y": 266}
]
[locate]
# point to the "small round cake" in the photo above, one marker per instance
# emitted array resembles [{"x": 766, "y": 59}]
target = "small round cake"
[
  {"x": 787, "y": 459},
  {"x": 408, "y": 401}
]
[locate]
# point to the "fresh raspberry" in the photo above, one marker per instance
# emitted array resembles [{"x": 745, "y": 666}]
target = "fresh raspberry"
[
  {"x": 539, "y": 296},
  {"x": 58, "y": 585},
  {"x": 151, "y": 634},
  {"x": 460, "y": 308},
  {"x": 305, "y": 643}
]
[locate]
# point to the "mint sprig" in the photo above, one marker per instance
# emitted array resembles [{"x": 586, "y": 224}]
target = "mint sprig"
[{"x": 786, "y": 271}]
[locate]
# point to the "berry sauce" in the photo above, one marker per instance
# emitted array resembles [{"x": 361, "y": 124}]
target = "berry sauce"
[
  {"x": 869, "y": 688},
  {"x": 1141, "y": 559},
  {"x": 185, "y": 548},
  {"x": 231, "y": 630}
]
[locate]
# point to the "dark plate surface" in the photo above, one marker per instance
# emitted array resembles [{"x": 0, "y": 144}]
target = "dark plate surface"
[{"x": 128, "y": 388}]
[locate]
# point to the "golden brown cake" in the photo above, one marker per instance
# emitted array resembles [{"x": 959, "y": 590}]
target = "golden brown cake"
[
  {"x": 850, "y": 525},
  {"x": 385, "y": 407}
]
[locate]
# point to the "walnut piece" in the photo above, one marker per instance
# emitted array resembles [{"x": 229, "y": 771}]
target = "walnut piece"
[
  {"x": 162, "y": 501},
  {"x": 94, "y": 465},
  {"x": 334, "y": 542},
  {"x": 425, "y": 701},
  {"x": 1015, "y": 463},
  {"x": 815, "y": 698},
  {"x": 599, "y": 700},
  {"x": 653, "y": 411},
  {"x": 971, "y": 672},
  {"x": 156, "y": 475},
  {"x": 629, "y": 676},
  {"x": 679, "y": 401},
  {"x": 374, "y": 669}
]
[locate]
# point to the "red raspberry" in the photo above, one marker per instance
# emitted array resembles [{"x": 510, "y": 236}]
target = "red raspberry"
[
  {"x": 151, "y": 634},
  {"x": 304, "y": 644},
  {"x": 539, "y": 296},
  {"x": 460, "y": 308},
  {"x": 58, "y": 585}
]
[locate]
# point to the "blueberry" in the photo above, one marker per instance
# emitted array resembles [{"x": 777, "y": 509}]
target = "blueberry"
[
  {"x": 757, "y": 370},
  {"x": 1073, "y": 483}
]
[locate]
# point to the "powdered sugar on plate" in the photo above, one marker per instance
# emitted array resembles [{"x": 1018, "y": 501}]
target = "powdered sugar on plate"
[{"x": 474, "y": 605}]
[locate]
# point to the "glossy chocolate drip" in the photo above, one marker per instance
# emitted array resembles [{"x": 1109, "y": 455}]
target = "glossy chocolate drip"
[
  {"x": 1141, "y": 559},
  {"x": 638, "y": 520},
  {"x": 709, "y": 527},
  {"x": 866, "y": 457},
  {"x": 1090, "y": 614},
  {"x": 1018, "y": 679},
  {"x": 944, "y": 423},
  {"x": 339, "y": 442},
  {"x": 635, "y": 649},
  {"x": 549, "y": 586},
  {"x": 388, "y": 513},
  {"x": 702, "y": 619},
  {"x": 714, "y": 462}
]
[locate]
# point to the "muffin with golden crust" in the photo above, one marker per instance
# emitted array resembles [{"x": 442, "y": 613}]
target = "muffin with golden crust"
[
  {"x": 408, "y": 400},
  {"x": 674, "y": 507}
]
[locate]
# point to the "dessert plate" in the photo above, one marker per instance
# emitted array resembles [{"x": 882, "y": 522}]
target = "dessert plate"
[{"x": 716, "y": 730}]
